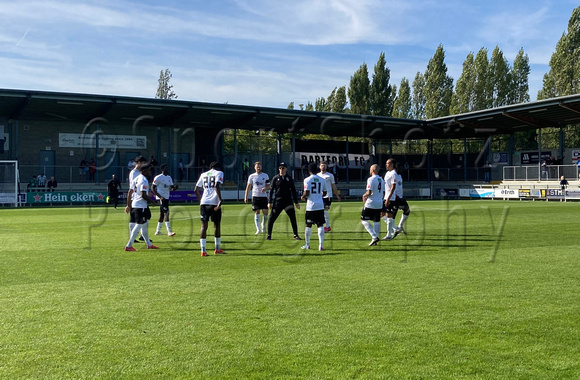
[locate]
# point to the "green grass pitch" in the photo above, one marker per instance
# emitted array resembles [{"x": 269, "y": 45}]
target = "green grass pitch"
[{"x": 477, "y": 289}]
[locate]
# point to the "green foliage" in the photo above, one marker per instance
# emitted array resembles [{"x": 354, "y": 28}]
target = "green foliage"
[
  {"x": 290, "y": 106},
  {"x": 164, "y": 89},
  {"x": 482, "y": 86},
  {"x": 419, "y": 97},
  {"x": 564, "y": 75},
  {"x": 500, "y": 79},
  {"x": 438, "y": 86},
  {"x": 402, "y": 104},
  {"x": 520, "y": 74},
  {"x": 477, "y": 289},
  {"x": 338, "y": 100},
  {"x": 359, "y": 91},
  {"x": 380, "y": 90},
  {"x": 462, "y": 99}
]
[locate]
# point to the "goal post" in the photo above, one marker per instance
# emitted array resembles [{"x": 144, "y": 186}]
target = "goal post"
[{"x": 9, "y": 182}]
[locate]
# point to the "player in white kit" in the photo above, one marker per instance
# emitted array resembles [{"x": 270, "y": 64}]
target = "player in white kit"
[
  {"x": 373, "y": 199},
  {"x": 259, "y": 183},
  {"x": 314, "y": 190},
  {"x": 331, "y": 190}
]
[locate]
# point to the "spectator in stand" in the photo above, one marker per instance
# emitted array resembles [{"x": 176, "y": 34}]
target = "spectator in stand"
[
  {"x": 487, "y": 172},
  {"x": 563, "y": 183},
  {"x": 82, "y": 172},
  {"x": 32, "y": 184},
  {"x": 181, "y": 170},
  {"x": 153, "y": 163},
  {"x": 41, "y": 180},
  {"x": 52, "y": 184},
  {"x": 92, "y": 169}
]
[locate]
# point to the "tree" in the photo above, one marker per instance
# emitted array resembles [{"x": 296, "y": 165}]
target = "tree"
[
  {"x": 499, "y": 79},
  {"x": 339, "y": 100},
  {"x": 320, "y": 105},
  {"x": 418, "y": 103},
  {"x": 520, "y": 74},
  {"x": 359, "y": 91},
  {"x": 438, "y": 86},
  {"x": 564, "y": 75},
  {"x": 164, "y": 89},
  {"x": 380, "y": 91},
  {"x": 481, "y": 92},
  {"x": 462, "y": 99},
  {"x": 309, "y": 106},
  {"x": 402, "y": 103},
  {"x": 290, "y": 106}
]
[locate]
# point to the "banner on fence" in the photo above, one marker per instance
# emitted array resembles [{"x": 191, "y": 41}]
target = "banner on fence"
[
  {"x": 79, "y": 140},
  {"x": 476, "y": 193},
  {"x": 506, "y": 193},
  {"x": 355, "y": 161}
]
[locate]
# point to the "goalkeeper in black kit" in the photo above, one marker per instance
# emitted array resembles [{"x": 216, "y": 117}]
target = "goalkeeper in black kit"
[{"x": 282, "y": 197}]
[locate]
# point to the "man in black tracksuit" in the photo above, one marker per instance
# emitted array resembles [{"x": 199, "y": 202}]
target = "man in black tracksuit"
[{"x": 282, "y": 196}]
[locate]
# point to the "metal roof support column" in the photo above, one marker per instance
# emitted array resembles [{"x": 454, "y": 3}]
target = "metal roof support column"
[
  {"x": 390, "y": 148},
  {"x": 293, "y": 155},
  {"x": 278, "y": 147},
  {"x": 511, "y": 146},
  {"x": 347, "y": 161},
  {"x": 540, "y": 153},
  {"x": 561, "y": 150},
  {"x": 429, "y": 159},
  {"x": 236, "y": 156},
  {"x": 158, "y": 144},
  {"x": 465, "y": 159},
  {"x": 373, "y": 157}
]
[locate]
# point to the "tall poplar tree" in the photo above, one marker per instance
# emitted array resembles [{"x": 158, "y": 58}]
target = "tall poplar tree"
[
  {"x": 164, "y": 89},
  {"x": 481, "y": 88},
  {"x": 500, "y": 79},
  {"x": 520, "y": 79},
  {"x": 359, "y": 91},
  {"x": 462, "y": 100},
  {"x": 438, "y": 86},
  {"x": 339, "y": 101},
  {"x": 402, "y": 103},
  {"x": 418, "y": 103},
  {"x": 380, "y": 91},
  {"x": 564, "y": 75}
]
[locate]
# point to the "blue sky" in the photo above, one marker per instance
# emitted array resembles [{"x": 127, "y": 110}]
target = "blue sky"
[{"x": 264, "y": 53}]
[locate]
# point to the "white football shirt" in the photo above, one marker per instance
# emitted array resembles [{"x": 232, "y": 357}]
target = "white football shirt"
[
  {"x": 329, "y": 178},
  {"x": 258, "y": 182},
  {"x": 208, "y": 182},
  {"x": 399, "y": 186},
  {"x": 376, "y": 185},
  {"x": 390, "y": 179},
  {"x": 315, "y": 185},
  {"x": 139, "y": 184},
  {"x": 163, "y": 183}
]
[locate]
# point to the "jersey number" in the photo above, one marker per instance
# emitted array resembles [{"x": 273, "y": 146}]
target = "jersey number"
[
  {"x": 209, "y": 182},
  {"x": 315, "y": 187}
]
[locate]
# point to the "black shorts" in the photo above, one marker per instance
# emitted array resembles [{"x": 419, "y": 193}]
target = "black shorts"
[
  {"x": 373, "y": 214},
  {"x": 164, "y": 205},
  {"x": 259, "y": 203},
  {"x": 140, "y": 215},
  {"x": 207, "y": 212},
  {"x": 401, "y": 204},
  {"x": 327, "y": 203},
  {"x": 315, "y": 217},
  {"x": 391, "y": 208}
]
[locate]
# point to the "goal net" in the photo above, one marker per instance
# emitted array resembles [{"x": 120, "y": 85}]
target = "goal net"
[{"x": 9, "y": 182}]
